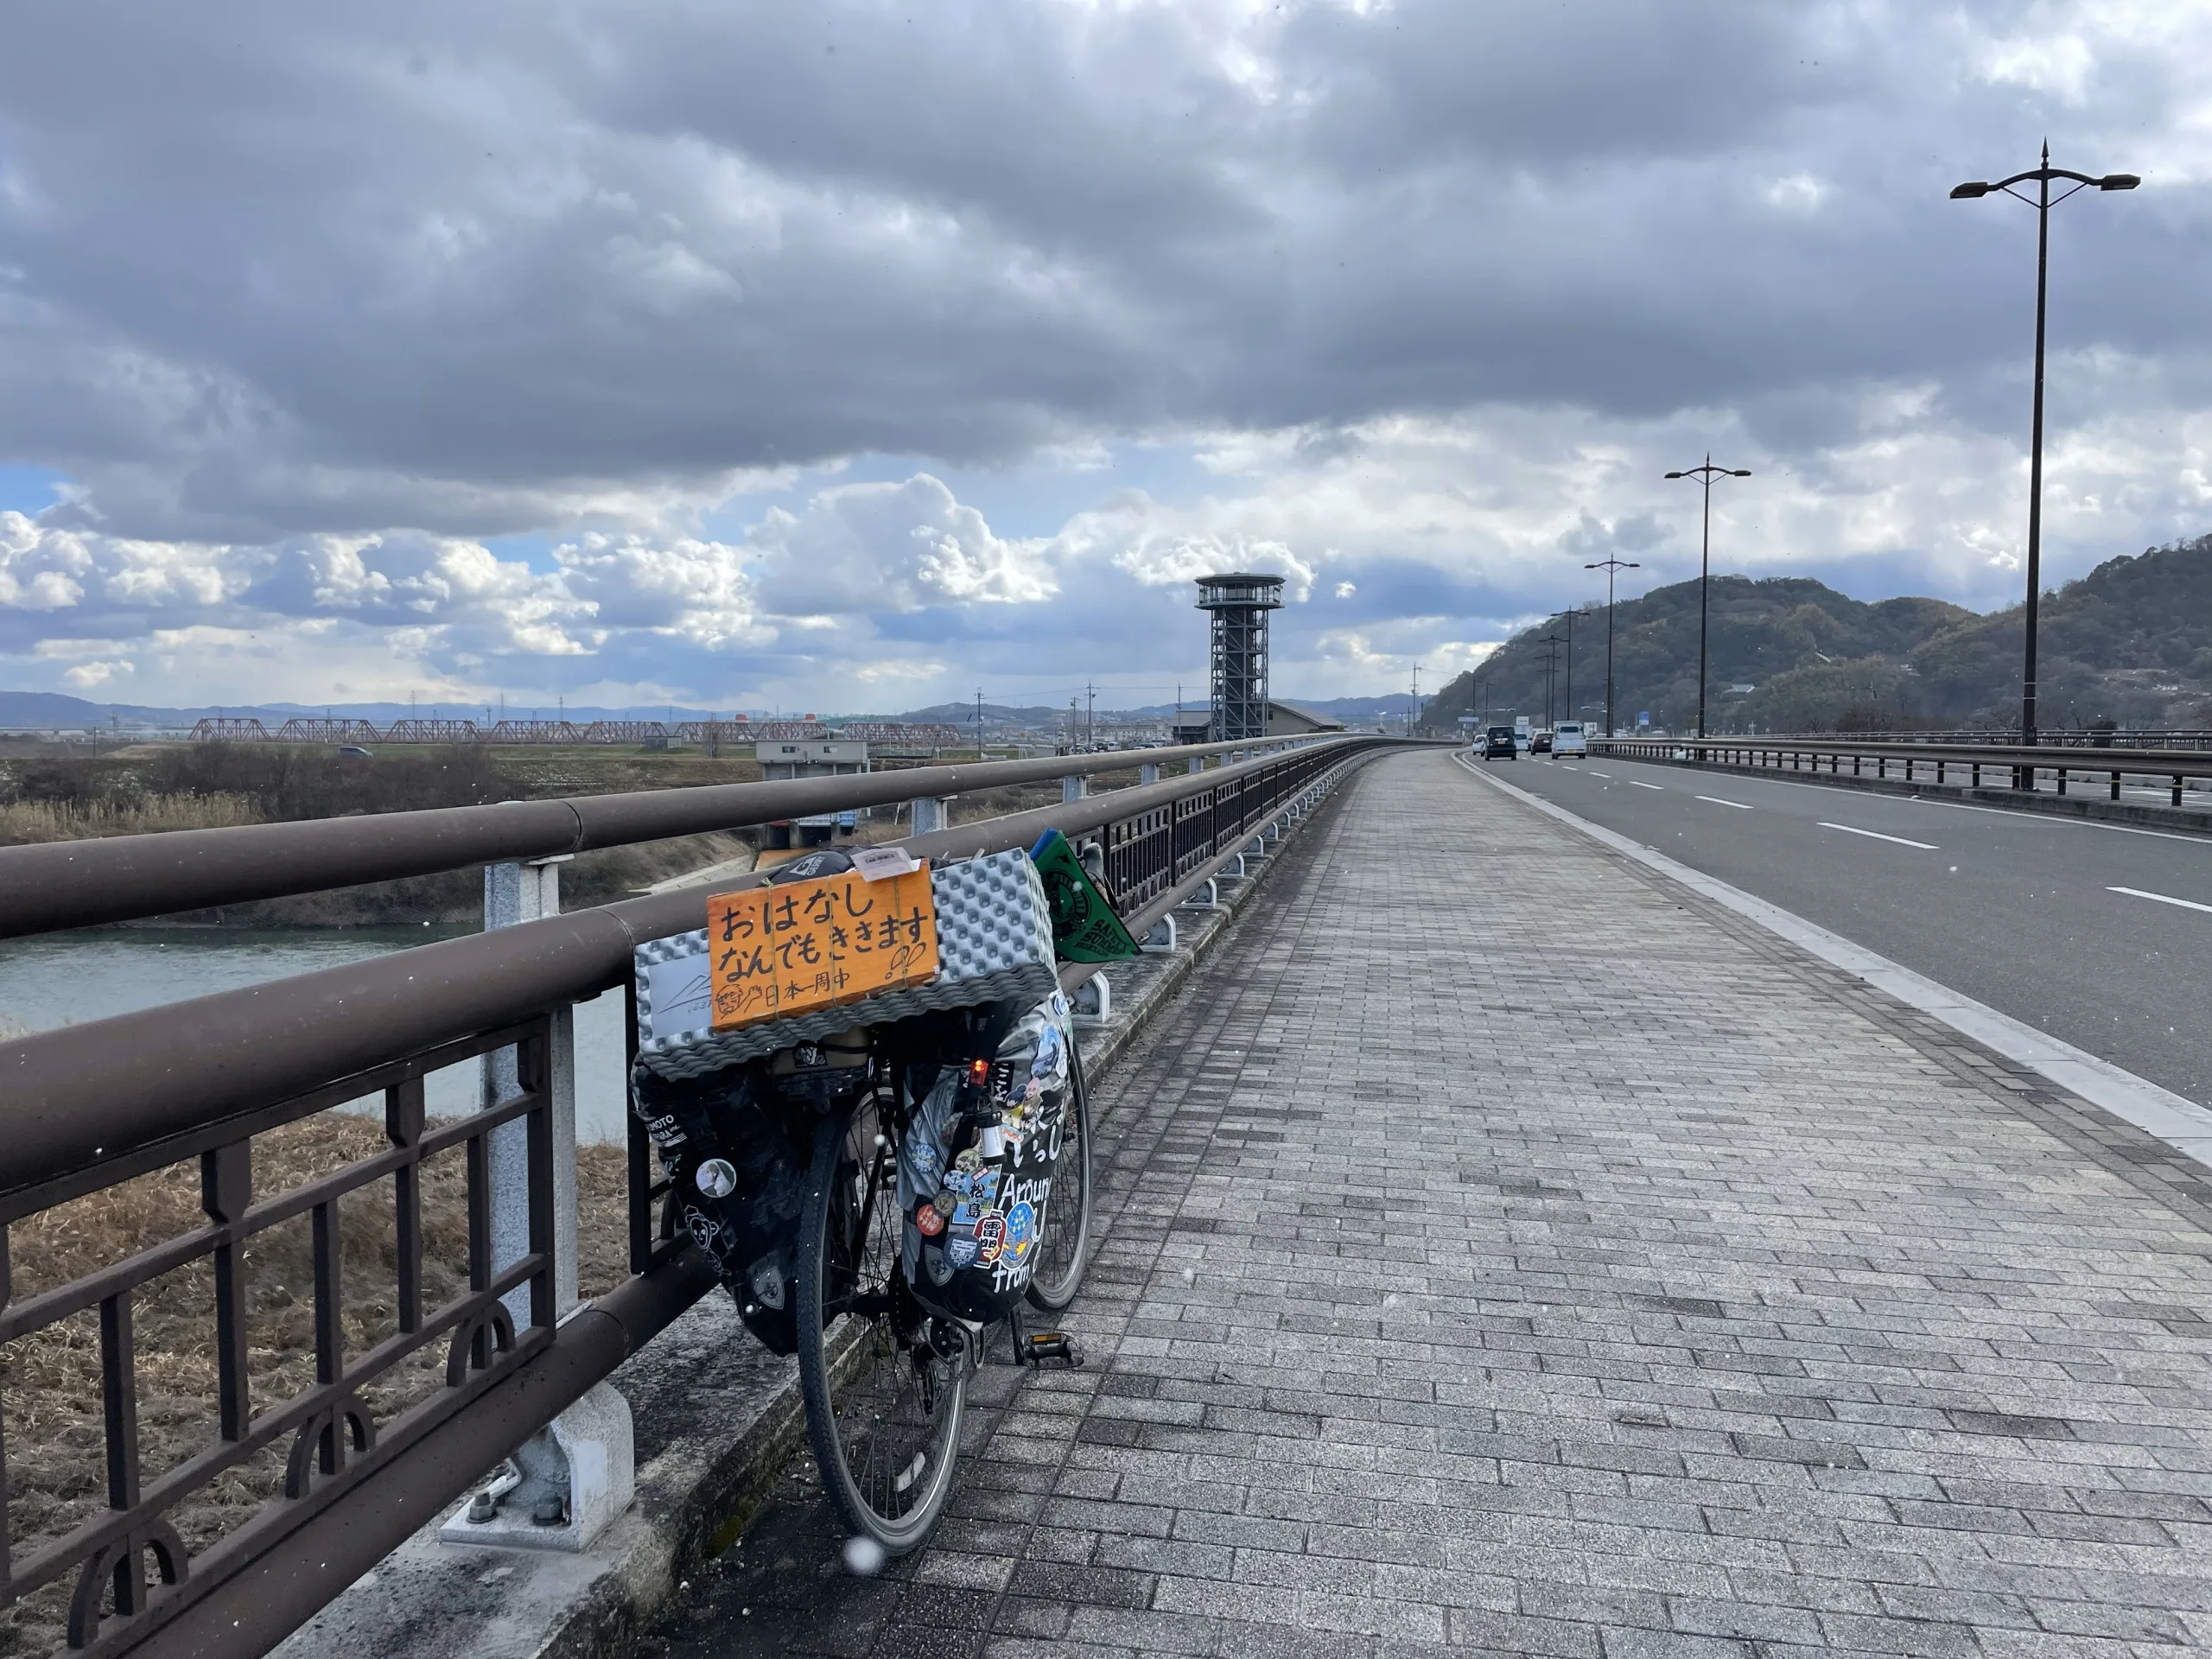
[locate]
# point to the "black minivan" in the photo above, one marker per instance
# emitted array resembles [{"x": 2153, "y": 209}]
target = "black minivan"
[{"x": 1498, "y": 741}]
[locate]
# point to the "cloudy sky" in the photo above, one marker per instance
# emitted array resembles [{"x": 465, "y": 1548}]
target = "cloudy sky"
[{"x": 852, "y": 356}]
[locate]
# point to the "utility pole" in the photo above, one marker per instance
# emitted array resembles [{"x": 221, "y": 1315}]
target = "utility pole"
[
  {"x": 1414, "y": 716},
  {"x": 1551, "y": 643},
  {"x": 1570, "y": 660},
  {"x": 979, "y": 722},
  {"x": 1089, "y": 716},
  {"x": 1611, "y": 567}
]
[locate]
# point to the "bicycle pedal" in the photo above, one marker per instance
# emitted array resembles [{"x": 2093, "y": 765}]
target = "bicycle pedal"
[{"x": 1051, "y": 1344}]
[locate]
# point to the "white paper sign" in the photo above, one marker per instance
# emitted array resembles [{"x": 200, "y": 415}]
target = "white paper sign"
[{"x": 879, "y": 863}]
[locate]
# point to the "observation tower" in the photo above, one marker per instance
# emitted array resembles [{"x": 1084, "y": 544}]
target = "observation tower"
[{"x": 1239, "y": 604}]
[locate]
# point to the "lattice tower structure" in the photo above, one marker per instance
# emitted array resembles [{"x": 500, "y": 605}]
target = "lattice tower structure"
[{"x": 1239, "y": 603}]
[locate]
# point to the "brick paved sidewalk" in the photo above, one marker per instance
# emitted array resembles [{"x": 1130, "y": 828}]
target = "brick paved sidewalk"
[{"x": 1503, "y": 1252}]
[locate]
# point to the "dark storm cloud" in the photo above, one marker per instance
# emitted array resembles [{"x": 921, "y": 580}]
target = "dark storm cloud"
[{"x": 274, "y": 270}]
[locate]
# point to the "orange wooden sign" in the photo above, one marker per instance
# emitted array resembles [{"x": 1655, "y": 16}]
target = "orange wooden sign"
[{"x": 777, "y": 951}]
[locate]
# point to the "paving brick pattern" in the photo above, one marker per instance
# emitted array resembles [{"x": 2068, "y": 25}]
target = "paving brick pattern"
[{"x": 1504, "y": 1251}]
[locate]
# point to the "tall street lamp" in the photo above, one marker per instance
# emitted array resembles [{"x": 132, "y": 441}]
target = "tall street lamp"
[
  {"x": 1551, "y": 643},
  {"x": 1610, "y": 567},
  {"x": 1705, "y": 475},
  {"x": 2043, "y": 202}
]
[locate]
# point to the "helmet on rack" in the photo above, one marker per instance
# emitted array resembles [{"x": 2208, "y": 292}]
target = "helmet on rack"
[{"x": 808, "y": 866}]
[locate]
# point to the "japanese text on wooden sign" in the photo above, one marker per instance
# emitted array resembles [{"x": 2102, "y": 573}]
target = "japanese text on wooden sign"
[{"x": 778, "y": 951}]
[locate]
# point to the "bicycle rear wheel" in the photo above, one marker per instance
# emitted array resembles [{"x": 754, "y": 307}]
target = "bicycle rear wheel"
[
  {"x": 1066, "y": 1246},
  {"x": 884, "y": 1383}
]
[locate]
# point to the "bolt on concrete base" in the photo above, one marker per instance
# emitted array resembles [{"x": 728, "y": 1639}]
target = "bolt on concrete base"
[{"x": 575, "y": 1475}]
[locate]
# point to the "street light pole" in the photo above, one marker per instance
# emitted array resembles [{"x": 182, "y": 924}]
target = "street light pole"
[
  {"x": 1705, "y": 475},
  {"x": 1610, "y": 567},
  {"x": 2043, "y": 202}
]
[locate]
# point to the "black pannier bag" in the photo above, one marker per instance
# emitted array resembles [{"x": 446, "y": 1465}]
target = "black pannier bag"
[{"x": 976, "y": 1169}]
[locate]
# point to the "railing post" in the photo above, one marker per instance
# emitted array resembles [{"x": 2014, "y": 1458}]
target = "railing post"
[
  {"x": 1198, "y": 764},
  {"x": 514, "y": 894},
  {"x": 1074, "y": 787},
  {"x": 566, "y": 1484},
  {"x": 1149, "y": 772},
  {"x": 930, "y": 813},
  {"x": 2115, "y": 785}
]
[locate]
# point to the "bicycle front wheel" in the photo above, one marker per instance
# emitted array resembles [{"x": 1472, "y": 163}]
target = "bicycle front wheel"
[
  {"x": 884, "y": 1384},
  {"x": 1066, "y": 1246}
]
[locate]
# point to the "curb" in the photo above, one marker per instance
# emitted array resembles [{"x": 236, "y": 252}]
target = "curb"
[
  {"x": 2182, "y": 1123},
  {"x": 717, "y": 1417}
]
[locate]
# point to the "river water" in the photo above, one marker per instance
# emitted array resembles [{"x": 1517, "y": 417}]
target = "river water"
[{"x": 68, "y": 978}]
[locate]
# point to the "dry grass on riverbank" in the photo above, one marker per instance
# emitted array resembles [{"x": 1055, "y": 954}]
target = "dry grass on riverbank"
[
  {"x": 25, "y": 822},
  {"x": 50, "y": 1382}
]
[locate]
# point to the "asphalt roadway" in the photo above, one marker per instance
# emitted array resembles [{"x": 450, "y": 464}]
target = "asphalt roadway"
[{"x": 2099, "y": 934}]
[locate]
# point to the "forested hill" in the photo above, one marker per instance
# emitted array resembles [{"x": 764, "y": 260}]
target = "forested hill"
[
  {"x": 1760, "y": 630},
  {"x": 2130, "y": 642}
]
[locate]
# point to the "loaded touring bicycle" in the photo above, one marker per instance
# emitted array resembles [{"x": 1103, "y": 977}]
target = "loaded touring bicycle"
[{"x": 863, "y": 1082}]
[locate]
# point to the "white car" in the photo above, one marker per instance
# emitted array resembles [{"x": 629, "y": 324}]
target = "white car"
[{"x": 1567, "y": 738}]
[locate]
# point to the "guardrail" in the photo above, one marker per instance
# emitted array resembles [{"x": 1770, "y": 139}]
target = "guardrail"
[
  {"x": 1934, "y": 762},
  {"x": 58, "y": 885},
  {"x": 384, "y": 1438},
  {"x": 2118, "y": 738}
]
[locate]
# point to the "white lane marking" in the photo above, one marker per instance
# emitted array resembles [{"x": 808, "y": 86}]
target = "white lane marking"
[
  {"x": 2186, "y": 904},
  {"x": 1644, "y": 785},
  {"x": 1594, "y": 772},
  {"x": 1876, "y": 834},
  {"x": 1716, "y": 801},
  {"x": 1565, "y": 767}
]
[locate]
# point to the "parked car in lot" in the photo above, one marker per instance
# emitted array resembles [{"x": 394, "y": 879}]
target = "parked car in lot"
[
  {"x": 1540, "y": 743},
  {"x": 1498, "y": 743},
  {"x": 1568, "y": 738}
]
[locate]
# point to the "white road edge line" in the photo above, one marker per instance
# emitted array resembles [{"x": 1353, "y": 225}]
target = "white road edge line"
[
  {"x": 2160, "y": 898},
  {"x": 1637, "y": 783},
  {"x": 2175, "y": 1119},
  {"x": 1876, "y": 834}
]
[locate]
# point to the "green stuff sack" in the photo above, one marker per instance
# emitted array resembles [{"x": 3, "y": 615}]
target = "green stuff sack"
[{"x": 1084, "y": 927}]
